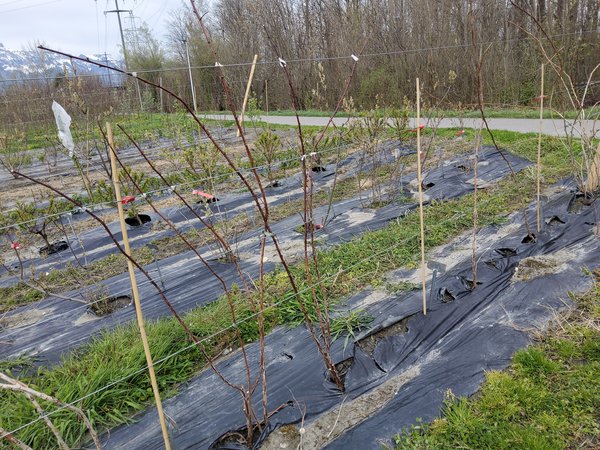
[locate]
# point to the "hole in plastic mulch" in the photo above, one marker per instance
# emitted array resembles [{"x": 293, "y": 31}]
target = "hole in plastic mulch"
[
  {"x": 138, "y": 220},
  {"x": 529, "y": 239},
  {"x": 309, "y": 226},
  {"x": 342, "y": 369},
  {"x": 579, "y": 201},
  {"x": 493, "y": 263},
  {"x": 208, "y": 200},
  {"x": 319, "y": 169},
  {"x": 506, "y": 252},
  {"x": 236, "y": 439},
  {"x": 468, "y": 284},
  {"x": 109, "y": 305},
  {"x": 554, "y": 220},
  {"x": 445, "y": 295},
  {"x": 53, "y": 248},
  {"x": 427, "y": 185}
]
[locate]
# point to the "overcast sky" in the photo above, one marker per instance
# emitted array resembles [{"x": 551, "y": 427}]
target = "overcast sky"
[{"x": 77, "y": 26}]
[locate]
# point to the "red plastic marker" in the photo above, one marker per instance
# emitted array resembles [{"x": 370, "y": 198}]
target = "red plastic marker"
[
  {"x": 460, "y": 133},
  {"x": 415, "y": 129},
  {"x": 203, "y": 194},
  {"x": 15, "y": 245},
  {"x": 127, "y": 199}
]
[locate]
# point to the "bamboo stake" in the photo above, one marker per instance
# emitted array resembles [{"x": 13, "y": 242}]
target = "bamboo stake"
[
  {"x": 160, "y": 94},
  {"x": 267, "y": 97},
  {"x": 420, "y": 183},
  {"x": 134, "y": 288},
  {"x": 248, "y": 86},
  {"x": 475, "y": 212},
  {"x": 539, "y": 155}
]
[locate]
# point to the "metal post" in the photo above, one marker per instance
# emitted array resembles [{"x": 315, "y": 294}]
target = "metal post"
[
  {"x": 153, "y": 249},
  {"x": 118, "y": 12}
]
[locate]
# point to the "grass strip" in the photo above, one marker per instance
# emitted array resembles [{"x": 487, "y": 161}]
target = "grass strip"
[{"x": 549, "y": 398}]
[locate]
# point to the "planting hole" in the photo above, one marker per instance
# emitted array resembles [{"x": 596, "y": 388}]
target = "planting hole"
[
  {"x": 554, "y": 220},
  {"x": 445, "y": 295},
  {"x": 342, "y": 369},
  {"x": 368, "y": 343},
  {"x": 493, "y": 263},
  {"x": 54, "y": 248},
  {"x": 468, "y": 284},
  {"x": 310, "y": 226},
  {"x": 208, "y": 200},
  {"x": 427, "y": 185},
  {"x": 109, "y": 305},
  {"x": 578, "y": 202},
  {"x": 274, "y": 184},
  {"x": 506, "y": 252},
  {"x": 288, "y": 356},
  {"x": 319, "y": 169},
  {"x": 529, "y": 239},
  {"x": 138, "y": 220},
  {"x": 236, "y": 439}
]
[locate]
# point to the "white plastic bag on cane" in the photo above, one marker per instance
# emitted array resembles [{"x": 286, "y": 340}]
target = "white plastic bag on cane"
[{"x": 63, "y": 122}]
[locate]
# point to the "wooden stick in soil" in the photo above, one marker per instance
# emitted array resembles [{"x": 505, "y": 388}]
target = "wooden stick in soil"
[
  {"x": 134, "y": 288},
  {"x": 539, "y": 154},
  {"x": 475, "y": 213},
  {"x": 420, "y": 184},
  {"x": 247, "y": 94}
]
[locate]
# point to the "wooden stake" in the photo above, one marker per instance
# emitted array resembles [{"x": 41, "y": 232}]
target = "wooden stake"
[
  {"x": 134, "y": 288},
  {"x": 475, "y": 213},
  {"x": 139, "y": 93},
  {"x": 267, "y": 97},
  {"x": 248, "y": 86},
  {"x": 160, "y": 94},
  {"x": 420, "y": 183},
  {"x": 539, "y": 155}
]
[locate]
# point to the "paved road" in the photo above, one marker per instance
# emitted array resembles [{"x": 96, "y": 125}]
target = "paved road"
[{"x": 550, "y": 126}]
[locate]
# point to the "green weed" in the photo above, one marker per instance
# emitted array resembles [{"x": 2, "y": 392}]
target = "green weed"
[{"x": 549, "y": 398}]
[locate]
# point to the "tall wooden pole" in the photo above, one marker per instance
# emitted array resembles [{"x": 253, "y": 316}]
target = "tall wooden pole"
[
  {"x": 420, "y": 183},
  {"x": 134, "y": 288},
  {"x": 539, "y": 155},
  {"x": 248, "y": 86}
]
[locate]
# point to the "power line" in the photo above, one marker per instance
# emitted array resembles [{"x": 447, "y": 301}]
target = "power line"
[
  {"x": 321, "y": 59},
  {"x": 29, "y": 6}
]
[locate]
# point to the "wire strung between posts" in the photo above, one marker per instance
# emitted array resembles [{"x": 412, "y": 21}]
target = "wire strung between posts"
[
  {"x": 319, "y": 59},
  {"x": 241, "y": 321}
]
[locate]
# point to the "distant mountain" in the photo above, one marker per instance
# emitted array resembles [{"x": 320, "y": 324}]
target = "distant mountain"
[{"x": 38, "y": 64}]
